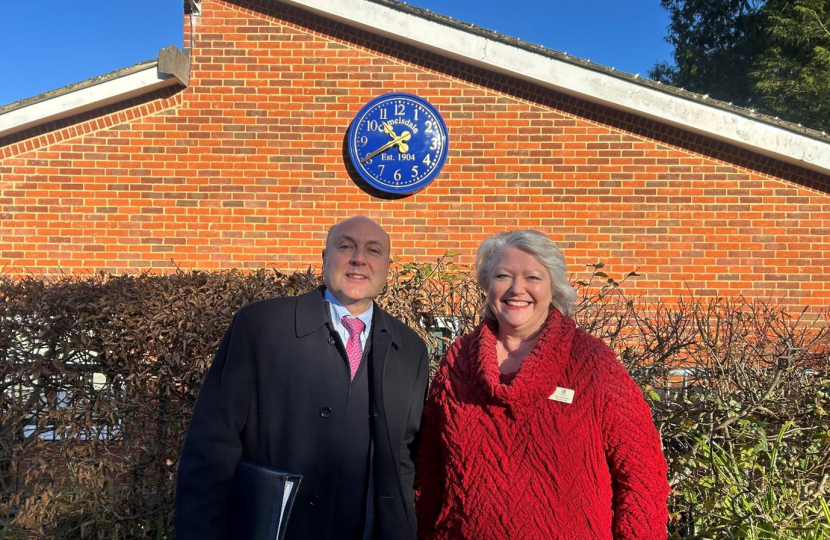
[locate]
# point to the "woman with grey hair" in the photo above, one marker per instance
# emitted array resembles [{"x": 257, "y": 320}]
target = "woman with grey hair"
[{"x": 532, "y": 429}]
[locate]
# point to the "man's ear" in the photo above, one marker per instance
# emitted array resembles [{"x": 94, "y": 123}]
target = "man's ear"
[{"x": 323, "y": 255}]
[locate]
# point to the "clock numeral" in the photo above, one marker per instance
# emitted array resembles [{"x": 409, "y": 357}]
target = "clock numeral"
[
  {"x": 397, "y": 175},
  {"x": 399, "y": 109},
  {"x": 429, "y": 125},
  {"x": 415, "y": 171},
  {"x": 382, "y": 166},
  {"x": 416, "y": 115},
  {"x": 435, "y": 144},
  {"x": 372, "y": 125},
  {"x": 383, "y": 113},
  {"x": 427, "y": 160},
  {"x": 364, "y": 140}
]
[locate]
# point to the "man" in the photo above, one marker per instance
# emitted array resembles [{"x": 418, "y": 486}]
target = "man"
[{"x": 325, "y": 385}]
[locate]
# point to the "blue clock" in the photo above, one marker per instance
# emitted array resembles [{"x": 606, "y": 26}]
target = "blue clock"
[{"x": 398, "y": 142}]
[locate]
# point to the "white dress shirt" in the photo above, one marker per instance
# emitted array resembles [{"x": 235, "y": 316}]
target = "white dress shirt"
[{"x": 338, "y": 310}]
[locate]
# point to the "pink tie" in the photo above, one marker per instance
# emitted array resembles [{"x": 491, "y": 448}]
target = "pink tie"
[{"x": 353, "y": 348}]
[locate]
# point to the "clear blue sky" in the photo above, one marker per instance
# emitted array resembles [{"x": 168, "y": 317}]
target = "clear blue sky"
[{"x": 49, "y": 45}]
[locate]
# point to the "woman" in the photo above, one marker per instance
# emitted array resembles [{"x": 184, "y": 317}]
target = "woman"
[{"x": 532, "y": 429}]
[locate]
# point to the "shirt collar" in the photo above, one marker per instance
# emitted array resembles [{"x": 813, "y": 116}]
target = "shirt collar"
[{"x": 338, "y": 310}]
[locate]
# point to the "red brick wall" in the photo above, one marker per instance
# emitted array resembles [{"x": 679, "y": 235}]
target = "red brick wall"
[{"x": 247, "y": 168}]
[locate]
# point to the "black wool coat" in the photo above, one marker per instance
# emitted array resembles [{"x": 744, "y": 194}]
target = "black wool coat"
[{"x": 273, "y": 395}]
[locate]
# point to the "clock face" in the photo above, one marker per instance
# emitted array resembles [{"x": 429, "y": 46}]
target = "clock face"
[{"x": 398, "y": 142}]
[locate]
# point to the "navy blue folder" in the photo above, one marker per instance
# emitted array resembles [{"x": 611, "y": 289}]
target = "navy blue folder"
[{"x": 261, "y": 502}]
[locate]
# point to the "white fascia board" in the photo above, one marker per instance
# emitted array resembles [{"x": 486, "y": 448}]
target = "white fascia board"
[
  {"x": 593, "y": 86},
  {"x": 85, "y": 99}
]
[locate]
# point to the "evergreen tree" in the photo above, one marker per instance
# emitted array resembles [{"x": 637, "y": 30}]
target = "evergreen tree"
[
  {"x": 714, "y": 43},
  {"x": 792, "y": 74},
  {"x": 771, "y": 55}
]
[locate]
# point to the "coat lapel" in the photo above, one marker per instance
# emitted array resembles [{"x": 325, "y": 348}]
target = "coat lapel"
[
  {"x": 386, "y": 383},
  {"x": 311, "y": 312}
]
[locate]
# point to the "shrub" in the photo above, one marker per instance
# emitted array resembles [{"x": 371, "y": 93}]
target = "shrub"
[{"x": 100, "y": 373}]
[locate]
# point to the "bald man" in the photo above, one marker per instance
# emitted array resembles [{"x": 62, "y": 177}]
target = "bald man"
[{"x": 325, "y": 385}]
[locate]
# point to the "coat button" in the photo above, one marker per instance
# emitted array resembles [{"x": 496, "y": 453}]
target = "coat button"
[
  {"x": 313, "y": 500},
  {"x": 325, "y": 412},
  {"x": 331, "y": 340}
]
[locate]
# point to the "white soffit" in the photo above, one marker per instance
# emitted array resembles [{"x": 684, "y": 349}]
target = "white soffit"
[
  {"x": 593, "y": 86},
  {"x": 85, "y": 99}
]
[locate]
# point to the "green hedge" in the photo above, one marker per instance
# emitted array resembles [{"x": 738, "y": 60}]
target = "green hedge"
[{"x": 100, "y": 373}]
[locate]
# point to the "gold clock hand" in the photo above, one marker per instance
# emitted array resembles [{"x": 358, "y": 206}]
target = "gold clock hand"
[
  {"x": 397, "y": 140},
  {"x": 387, "y": 128},
  {"x": 403, "y": 148}
]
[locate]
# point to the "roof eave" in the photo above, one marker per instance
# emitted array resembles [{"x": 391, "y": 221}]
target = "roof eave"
[
  {"x": 171, "y": 68},
  {"x": 644, "y": 100}
]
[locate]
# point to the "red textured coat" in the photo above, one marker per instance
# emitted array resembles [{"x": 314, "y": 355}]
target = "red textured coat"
[{"x": 502, "y": 461}]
